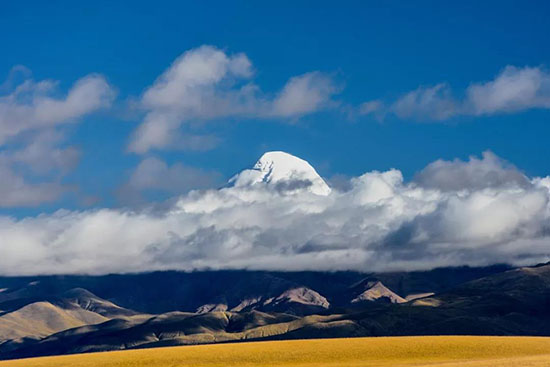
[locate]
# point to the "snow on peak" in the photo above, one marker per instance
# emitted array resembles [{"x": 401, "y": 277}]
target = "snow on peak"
[{"x": 284, "y": 171}]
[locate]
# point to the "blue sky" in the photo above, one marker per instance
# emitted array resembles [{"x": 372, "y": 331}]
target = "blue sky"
[{"x": 365, "y": 51}]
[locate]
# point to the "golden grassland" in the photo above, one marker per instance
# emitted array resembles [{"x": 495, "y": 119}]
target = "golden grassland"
[{"x": 448, "y": 351}]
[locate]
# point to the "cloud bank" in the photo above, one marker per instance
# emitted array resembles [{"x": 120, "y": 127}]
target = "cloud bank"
[{"x": 475, "y": 212}]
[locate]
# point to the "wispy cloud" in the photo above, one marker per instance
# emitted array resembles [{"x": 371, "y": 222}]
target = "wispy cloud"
[
  {"x": 33, "y": 152},
  {"x": 432, "y": 103},
  {"x": 301, "y": 95},
  {"x": 513, "y": 90},
  {"x": 32, "y": 104},
  {"x": 371, "y": 107}
]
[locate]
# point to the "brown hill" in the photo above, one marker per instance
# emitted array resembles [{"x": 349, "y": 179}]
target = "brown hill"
[
  {"x": 512, "y": 302},
  {"x": 41, "y": 319},
  {"x": 374, "y": 290}
]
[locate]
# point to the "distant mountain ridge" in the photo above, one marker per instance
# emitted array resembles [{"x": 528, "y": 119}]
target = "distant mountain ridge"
[
  {"x": 160, "y": 292},
  {"x": 69, "y": 314},
  {"x": 373, "y": 290}
]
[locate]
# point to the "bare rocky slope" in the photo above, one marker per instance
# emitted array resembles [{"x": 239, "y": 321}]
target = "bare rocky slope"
[{"x": 61, "y": 314}]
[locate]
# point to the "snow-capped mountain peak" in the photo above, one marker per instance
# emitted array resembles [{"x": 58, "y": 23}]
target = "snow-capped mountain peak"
[{"x": 283, "y": 171}]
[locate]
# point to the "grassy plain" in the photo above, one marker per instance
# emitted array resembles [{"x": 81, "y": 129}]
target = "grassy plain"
[{"x": 447, "y": 351}]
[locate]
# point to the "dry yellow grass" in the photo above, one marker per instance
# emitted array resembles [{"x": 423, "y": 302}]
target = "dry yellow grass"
[{"x": 453, "y": 351}]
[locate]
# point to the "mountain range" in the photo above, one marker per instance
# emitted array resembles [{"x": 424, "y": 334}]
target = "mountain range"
[
  {"x": 62, "y": 314},
  {"x": 47, "y": 315}
]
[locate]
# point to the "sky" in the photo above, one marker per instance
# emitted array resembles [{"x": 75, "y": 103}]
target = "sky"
[{"x": 122, "y": 111}]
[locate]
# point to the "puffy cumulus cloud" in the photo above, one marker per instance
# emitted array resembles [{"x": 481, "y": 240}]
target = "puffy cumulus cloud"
[
  {"x": 475, "y": 174},
  {"x": 207, "y": 83},
  {"x": 188, "y": 86},
  {"x": 514, "y": 89},
  {"x": 379, "y": 223},
  {"x": 33, "y": 153}
]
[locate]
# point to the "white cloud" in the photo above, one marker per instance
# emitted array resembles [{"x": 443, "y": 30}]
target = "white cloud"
[
  {"x": 434, "y": 103},
  {"x": 32, "y": 105},
  {"x": 162, "y": 131},
  {"x": 475, "y": 174},
  {"x": 16, "y": 191},
  {"x": 379, "y": 223},
  {"x": 44, "y": 152},
  {"x": 207, "y": 83},
  {"x": 189, "y": 86},
  {"x": 304, "y": 94},
  {"x": 370, "y": 107},
  {"x": 33, "y": 156},
  {"x": 31, "y": 173},
  {"x": 513, "y": 90}
]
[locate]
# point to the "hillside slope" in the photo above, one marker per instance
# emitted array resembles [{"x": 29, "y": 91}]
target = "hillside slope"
[
  {"x": 268, "y": 306},
  {"x": 40, "y": 319}
]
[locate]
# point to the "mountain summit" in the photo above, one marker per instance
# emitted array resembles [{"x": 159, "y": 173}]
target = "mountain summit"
[{"x": 284, "y": 172}]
